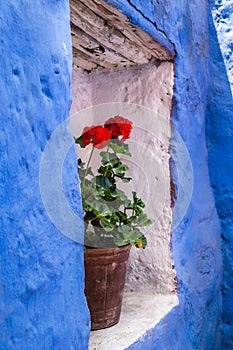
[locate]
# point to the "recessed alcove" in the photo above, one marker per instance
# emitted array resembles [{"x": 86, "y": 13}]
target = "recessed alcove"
[{"x": 120, "y": 69}]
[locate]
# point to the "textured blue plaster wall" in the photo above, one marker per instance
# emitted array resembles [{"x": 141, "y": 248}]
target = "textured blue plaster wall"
[
  {"x": 42, "y": 303},
  {"x": 220, "y": 147},
  {"x": 196, "y": 243}
]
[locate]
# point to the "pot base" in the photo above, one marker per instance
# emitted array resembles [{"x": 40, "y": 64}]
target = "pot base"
[{"x": 105, "y": 270}]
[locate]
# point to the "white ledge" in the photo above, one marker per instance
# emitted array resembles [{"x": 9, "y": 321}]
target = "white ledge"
[{"x": 141, "y": 311}]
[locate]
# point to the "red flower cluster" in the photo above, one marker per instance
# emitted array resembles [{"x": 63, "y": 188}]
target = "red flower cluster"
[
  {"x": 97, "y": 135},
  {"x": 119, "y": 126}
]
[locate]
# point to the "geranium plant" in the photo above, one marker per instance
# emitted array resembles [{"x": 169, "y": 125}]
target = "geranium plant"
[{"x": 111, "y": 217}]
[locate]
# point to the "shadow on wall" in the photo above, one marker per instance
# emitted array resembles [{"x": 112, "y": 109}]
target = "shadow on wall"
[{"x": 219, "y": 136}]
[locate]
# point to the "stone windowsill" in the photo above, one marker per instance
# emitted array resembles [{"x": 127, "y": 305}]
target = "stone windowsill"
[{"x": 141, "y": 311}]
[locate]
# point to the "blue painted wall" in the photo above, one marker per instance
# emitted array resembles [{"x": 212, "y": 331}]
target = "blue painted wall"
[
  {"x": 196, "y": 243},
  {"x": 220, "y": 147},
  {"x": 42, "y": 303},
  {"x": 41, "y": 292}
]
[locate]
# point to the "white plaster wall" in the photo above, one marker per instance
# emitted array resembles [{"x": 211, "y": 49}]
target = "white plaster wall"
[{"x": 149, "y": 89}]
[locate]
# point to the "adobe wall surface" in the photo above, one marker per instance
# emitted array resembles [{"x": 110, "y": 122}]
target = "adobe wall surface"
[{"x": 42, "y": 303}]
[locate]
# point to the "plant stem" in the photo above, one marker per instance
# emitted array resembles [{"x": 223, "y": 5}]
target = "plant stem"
[
  {"x": 108, "y": 145},
  {"x": 88, "y": 163}
]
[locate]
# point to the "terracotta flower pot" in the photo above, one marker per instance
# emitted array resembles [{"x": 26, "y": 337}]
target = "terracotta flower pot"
[{"x": 105, "y": 270}]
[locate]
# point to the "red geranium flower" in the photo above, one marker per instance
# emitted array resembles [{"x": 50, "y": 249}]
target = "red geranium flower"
[
  {"x": 88, "y": 134},
  {"x": 119, "y": 126},
  {"x": 97, "y": 135},
  {"x": 101, "y": 137}
]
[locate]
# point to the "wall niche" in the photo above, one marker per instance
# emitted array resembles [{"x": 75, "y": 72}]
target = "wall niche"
[{"x": 120, "y": 69}]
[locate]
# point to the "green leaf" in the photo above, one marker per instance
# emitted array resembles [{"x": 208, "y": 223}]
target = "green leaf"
[
  {"x": 144, "y": 241},
  {"x": 119, "y": 147},
  {"x": 108, "y": 157},
  {"x": 102, "y": 181},
  {"x": 121, "y": 216},
  {"x": 109, "y": 195},
  {"x": 79, "y": 142},
  {"x": 126, "y": 179},
  {"x": 133, "y": 235},
  {"x": 108, "y": 223},
  {"x": 122, "y": 196},
  {"x": 91, "y": 236},
  {"x": 137, "y": 201},
  {"x": 120, "y": 241},
  {"x": 119, "y": 169},
  {"x": 81, "y": 163},
  {"x": 128, "y": 204},
  {"x": 127, "y": 235},
  {"x": 101, "y": 209},
  {"x": 141, "y": 220}
]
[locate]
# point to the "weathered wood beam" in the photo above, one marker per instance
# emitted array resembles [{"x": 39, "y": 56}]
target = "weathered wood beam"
[
  {"x": 132, "y": 32},
  {"x": 88, "y": 45},
  {"x": 106, "y": 58},
  {"x": 108, "y": 36},
  {"x": 103, "y": 36},
  {"x": 82, "y": 61}
]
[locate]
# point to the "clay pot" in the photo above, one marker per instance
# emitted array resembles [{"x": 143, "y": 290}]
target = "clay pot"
[{"x": 105, "y": 270}]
